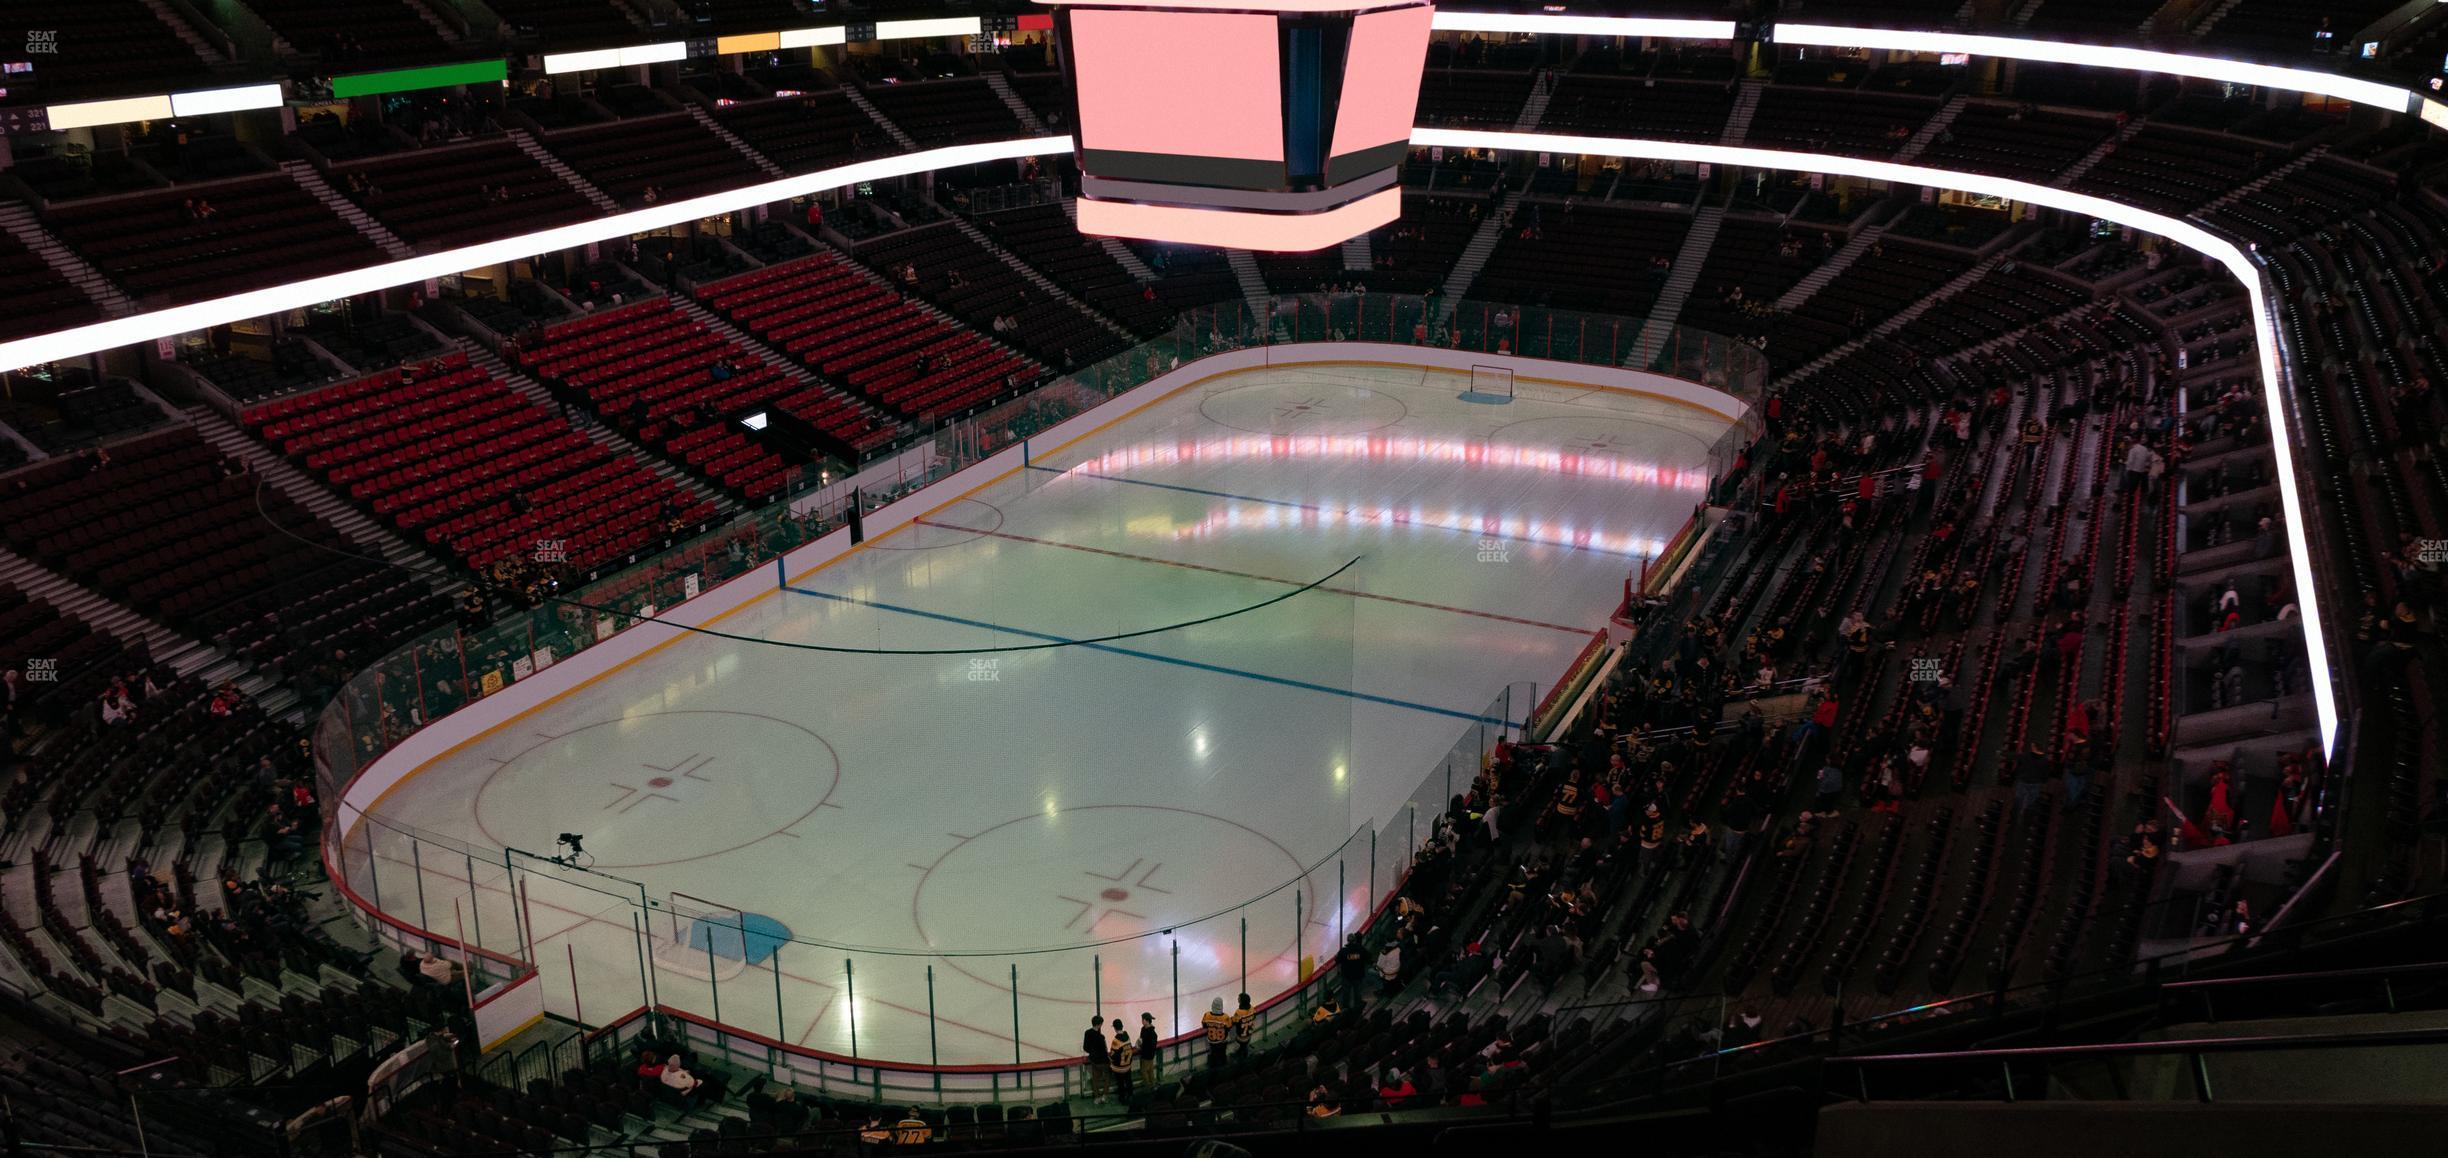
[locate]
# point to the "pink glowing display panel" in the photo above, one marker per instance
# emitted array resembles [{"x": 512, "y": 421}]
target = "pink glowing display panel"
[
  {"x": 1277, "y": 232},
  {"x": 1381, "y": 79},
  {"x": 1198, "y": 84}
]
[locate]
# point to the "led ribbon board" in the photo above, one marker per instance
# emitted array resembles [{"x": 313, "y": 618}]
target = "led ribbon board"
[
  {"x": 171, "y": 321},
  {"x": 2364, "y": 92},
  {"x": 2185, "y": 233}
]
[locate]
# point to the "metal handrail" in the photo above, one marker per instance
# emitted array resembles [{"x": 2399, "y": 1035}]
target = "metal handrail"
[
  {"x": 1657, "y": 1074},
  {"x": 2253, "y": 1043},
  {"x": 2315, "y": 975}
]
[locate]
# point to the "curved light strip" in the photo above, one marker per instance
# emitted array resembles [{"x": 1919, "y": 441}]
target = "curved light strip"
[
  {"x": 1446, "y": 21},
  {"x": 2364, "y": 92},
  {"x": 175, "y": 320},
  {"x": 278, "y": 299},
  {"x": 2181, "y": 232}
]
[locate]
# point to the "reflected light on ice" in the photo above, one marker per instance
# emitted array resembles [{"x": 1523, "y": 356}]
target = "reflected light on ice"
[{"x": 1397, "y": 448}]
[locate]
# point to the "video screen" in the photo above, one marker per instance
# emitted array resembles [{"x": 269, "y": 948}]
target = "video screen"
[
  {"x": 1381, "y": 81},
  {"x": 1186, "y": 98}
]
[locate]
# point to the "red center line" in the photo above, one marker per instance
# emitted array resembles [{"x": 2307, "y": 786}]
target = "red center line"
[{"x": 1583, "y": 631}]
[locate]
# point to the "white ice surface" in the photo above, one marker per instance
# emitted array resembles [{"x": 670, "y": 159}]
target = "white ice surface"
[{"x": 977, "y": 812}]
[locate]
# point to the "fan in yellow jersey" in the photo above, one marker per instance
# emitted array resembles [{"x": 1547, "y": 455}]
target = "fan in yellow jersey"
[
  {"x": 1218, "y": 1026},
  {"x": 1124, "y": 1058},
  {"x": 1244, "y": 1027}
]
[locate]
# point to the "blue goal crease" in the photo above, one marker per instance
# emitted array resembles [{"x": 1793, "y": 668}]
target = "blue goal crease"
[{"x": 1134, "y": 653}]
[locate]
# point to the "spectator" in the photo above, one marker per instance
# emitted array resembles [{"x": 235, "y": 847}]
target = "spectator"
[
  {"x": 1677, "y": 943},
  {"x": 2031, "y": 776},
  {"x": 1123, "y": 1060},
  {"x": 1351, "y": 964},
  {"x": 1100, "y": 1069},
  {"x": 1148, "y": 1046},
  {"x": 1743, "y": 1030},
  {"x": 1218, "y": 1026},
  {"x": 683, "y": 1084},
  {"x": 1395, "y": 1089},
  {"x": 2077, "y": 777},
  {"x": 1323, "y": 1103}
]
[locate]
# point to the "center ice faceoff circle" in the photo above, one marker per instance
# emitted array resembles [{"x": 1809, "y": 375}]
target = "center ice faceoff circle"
[
  {"x": 1100, "y": 874},
  {"x": 669, "y": 787},
  {"x": 1303, "y": 407}
]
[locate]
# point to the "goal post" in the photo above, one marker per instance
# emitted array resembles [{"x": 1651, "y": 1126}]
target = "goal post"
[{"x": 1492, "y": 381}]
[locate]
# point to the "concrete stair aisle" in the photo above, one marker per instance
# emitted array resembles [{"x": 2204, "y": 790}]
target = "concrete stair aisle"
[
  {"x": 633, "y": 13},
  {"x": 734, "y": 140},
  {"x": 1863, "y": 238},
  {"x": 32, "y": 452},
  {"x": 529, "y": 145},
  {"x": 450, "y": 34},
  {"x": 1991, "y": 498},
  {"x": 1534, "y": 106},
  {"x": 1475, "y": 255},
  {"x": 1253, "y": 284},
  {"x": 603, "y": 434},
  {"x": 204, "y": 49},
  {"x": 1697, "y": 241},
  {"x": 1937, "y": 124},
  {"x": 1899, "y": 319},
  {"x": 15, "y": 980},
  {"x": 2008, "y": 338},
  {"x": 2211, "y": 21},
  {"x": 185, "y": 655},
  {"x": 2255, "y": 185},
  {"x": 114, "y": 847},
  {"x": 2150, "y": 23},
  {"x": 1035, "y": 278},
  {"x": 789, "y": 365},
  {"x": 312, "y": 182},
  {"x": 870, "y": 273},
  {"x": 875, "y": 114},
  {"x": 1746, "y": 103},
  {"x": 1123, "y": 255},
  {"x": 320, "y": 501},
  {"x": 2023, "y": 15},
  {"x": 2098, "y": 153},
  {"x": 1011, "y": 100},
  {"x": 18, "y": 218},
  {"x": 1358, "y": 256}
]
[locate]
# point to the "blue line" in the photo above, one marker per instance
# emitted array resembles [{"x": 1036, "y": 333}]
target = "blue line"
[
  {"x": 1136, "y": 654},
  {"x": 1140, "y": 482}
]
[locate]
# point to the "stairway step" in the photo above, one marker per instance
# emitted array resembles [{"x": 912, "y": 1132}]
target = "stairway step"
[{"x": 602, "y": 433}]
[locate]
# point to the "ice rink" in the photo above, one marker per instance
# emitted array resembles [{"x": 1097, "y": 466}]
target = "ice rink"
[{"x": 1068, "y": 814}]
